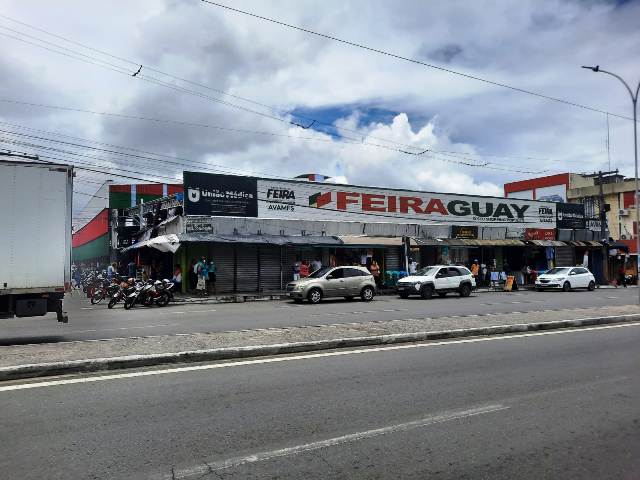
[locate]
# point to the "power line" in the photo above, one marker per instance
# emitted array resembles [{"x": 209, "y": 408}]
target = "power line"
[
  {"x": 413, "y": 60},
  {"x": 159, "y": 82}
]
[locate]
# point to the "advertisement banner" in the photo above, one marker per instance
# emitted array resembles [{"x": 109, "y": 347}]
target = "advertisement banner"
[
  {"x": 570, "y": 215},
  {"x": 465, "y": 233},
  {"x": 198, "y": 225},
  {"x": 539, "y": 234},
  {"x": 315, "y": 201},
  {"x": 220, "y": 195},
  {"x": 229, "y": 195}
]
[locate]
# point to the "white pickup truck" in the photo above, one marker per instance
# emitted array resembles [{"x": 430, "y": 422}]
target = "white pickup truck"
[{"x": 35, "y": 238}]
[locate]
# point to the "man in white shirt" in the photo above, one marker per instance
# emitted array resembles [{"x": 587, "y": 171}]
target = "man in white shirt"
[{"x": 316, "y": 265}]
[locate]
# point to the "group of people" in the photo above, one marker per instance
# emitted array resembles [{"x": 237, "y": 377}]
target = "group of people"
[{"x": 202, "y": 276}]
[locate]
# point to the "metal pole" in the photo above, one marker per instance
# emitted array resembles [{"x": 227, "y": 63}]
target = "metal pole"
[{"x": 635, "y": 154}]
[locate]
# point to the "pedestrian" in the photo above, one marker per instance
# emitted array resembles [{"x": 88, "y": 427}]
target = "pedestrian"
[
  {"x": 622, "y": 280},
  {"x": 177, "y": 278},
  {"x": 413, "y": 266},
  {"x": 131, "y": 269},
  {"x": 193, "y": 275},
  {"x": 213, "y": 270},
  {"x": 475, "y": 270},
  {"x": 304, "y": 269},
  {"x": 203, "y": 276},
  {"x": 110, "y": 271},
  {"x": 296, "y": 270},
  {"x": 316, "y": 265},
  {"x": 374, "y": 268},
  {"x": 506, "y": 268}
]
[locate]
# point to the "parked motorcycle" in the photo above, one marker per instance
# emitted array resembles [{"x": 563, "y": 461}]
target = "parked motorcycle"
[
  {"x": 165, "y": 292},
  {"x": 124, "y": 289},
  {"x": 100, "y": 290}
]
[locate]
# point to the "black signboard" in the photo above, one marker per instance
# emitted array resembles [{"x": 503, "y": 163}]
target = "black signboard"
[
  {"x": 220, "y": 195},
  {"x": 570, "y": 215},
  {"x": 467, "y": 233}
]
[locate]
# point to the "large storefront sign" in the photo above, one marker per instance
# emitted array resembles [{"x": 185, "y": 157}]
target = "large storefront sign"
[
  {"x": 570, "y": 215},
  {"x": 220, "y": 195},
  {"x": 465, "y": 233},
  {"x": 211, "y": 194},
  {"x": 539, "y": 234}
]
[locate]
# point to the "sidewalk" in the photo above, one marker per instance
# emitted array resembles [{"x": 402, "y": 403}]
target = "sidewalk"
[
  {"x": 21, "y": 361},
  {"x": 281, "y": 295}
]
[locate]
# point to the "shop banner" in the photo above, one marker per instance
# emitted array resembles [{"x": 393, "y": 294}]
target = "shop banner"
[
  {"x": 539, "y": 234},
  {"x": 465, "y": 233},
  {"x": 594, "y": 225},
  {"x": 198, "y": 225},
  {"x": 322, "y": 201},
  {"x": 220, "y": 195},
  {"x": 570, "y": 215}
]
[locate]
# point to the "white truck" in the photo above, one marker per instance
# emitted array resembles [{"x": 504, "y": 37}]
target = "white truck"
[{"x": 35, "y": 238}]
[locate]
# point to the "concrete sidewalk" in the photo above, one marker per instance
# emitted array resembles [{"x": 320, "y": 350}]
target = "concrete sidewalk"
[{"x": 21, "y": 361}]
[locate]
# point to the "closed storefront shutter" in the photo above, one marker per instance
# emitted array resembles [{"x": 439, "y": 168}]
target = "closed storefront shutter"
[
  {"x": 247, "y": 268},
  {"x": 270, "y": 268},
  {"x": 223, "y": 256},
  {"x": 565, "y": 257},
  {"x": 392, "y": 258}
]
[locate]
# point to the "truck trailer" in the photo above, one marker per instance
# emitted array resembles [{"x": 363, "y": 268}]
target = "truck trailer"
[{"x": 35, "y": 238}]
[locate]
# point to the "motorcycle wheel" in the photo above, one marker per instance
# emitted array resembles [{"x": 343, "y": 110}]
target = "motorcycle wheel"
[
  {"x": 97, "y": 297},
  {"x": 148, "y": 302},
  {"x": 112, "y": 303},
  {"x": 128, "y": 303},
  {"x": 162, "y": 301}
]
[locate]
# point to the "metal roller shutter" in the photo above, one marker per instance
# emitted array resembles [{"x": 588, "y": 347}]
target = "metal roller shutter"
[
  {"x": 270, "y": 268},
  {"x": 223, "y": 256},
  {"x": 392, "y": 258},
  {"x": 247, "y": 268},
  {"x": 565, "y": 257}
]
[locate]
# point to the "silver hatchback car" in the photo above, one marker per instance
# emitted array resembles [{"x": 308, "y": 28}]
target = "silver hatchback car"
[{"x": 347, "y": 282}]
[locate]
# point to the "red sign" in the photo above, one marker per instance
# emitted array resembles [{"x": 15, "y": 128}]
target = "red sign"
[{"x": 539, "y": 234}]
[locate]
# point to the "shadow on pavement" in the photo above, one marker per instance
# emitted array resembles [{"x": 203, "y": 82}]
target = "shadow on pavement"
[{"x": 6, "y": 342}]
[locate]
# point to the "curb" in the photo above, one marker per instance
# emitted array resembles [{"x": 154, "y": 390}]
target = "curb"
[{"x": 136, "y": 361}]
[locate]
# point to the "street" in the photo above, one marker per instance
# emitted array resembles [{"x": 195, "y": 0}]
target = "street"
[
  {"x": 88, "y": 321},
  {"x": 544, "y": 405}
]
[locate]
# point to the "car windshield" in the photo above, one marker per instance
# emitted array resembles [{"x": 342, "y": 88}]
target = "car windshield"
[
  {"x": 557, "y": 271},
  {"x": 425, "y": 271},
  {"x": 320, "y": 273}
]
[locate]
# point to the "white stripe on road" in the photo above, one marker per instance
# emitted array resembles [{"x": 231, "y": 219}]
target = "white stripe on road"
[
  {"x": 190, "y": 311},
  {"x": 289, "y": 358},
  {"x": 234, "y": 462}
]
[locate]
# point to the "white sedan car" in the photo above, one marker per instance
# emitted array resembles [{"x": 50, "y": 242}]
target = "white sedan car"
[{"x": 566, "y": 278}]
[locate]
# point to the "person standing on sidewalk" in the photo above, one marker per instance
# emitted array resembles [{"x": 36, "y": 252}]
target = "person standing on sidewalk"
[
  {"x": 475, "y": 270},
  {"x": 213, "y": 269},
  {"x": 304, "y": 269},
  {"x": 622, "y": 280},
  {"x": 203, "y": 275}
]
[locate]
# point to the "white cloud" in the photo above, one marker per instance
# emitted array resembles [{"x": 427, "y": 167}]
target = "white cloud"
[{"x": 534, "y": 45}]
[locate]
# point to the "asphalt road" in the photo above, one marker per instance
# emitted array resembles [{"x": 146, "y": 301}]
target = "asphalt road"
[
  {"x": 560, "y": 404},
  {"x": 87, "y": 322}
]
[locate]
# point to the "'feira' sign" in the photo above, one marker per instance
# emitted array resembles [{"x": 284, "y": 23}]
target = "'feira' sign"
[{"x": 300, "y": 200}]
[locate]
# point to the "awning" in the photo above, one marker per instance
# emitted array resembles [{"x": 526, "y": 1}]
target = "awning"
[
  {"x": 164, "y": 243},
  {"x": 371, "y": 241},
  {"x": 319, "y": 240},
  {"x": 548, "y": 243},
  {"x": 460, "y": 242}
]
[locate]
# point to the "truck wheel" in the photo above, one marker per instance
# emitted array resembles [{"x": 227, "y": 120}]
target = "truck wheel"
[
  {"x": 315, "y": 295},
  {"x": 367, "y": 294},
  {"x": 427, "y": 292}
]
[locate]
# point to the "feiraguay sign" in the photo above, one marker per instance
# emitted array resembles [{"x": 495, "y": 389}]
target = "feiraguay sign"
[{"x": 230, "y": 195}]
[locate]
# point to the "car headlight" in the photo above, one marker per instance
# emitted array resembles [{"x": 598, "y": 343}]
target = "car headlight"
[
  {"x": 560, "y": 279},
  {"x": 297, "y": 288}
]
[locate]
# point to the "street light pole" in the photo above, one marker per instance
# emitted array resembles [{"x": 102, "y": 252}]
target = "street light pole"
[{"x": 634, "y": 100}]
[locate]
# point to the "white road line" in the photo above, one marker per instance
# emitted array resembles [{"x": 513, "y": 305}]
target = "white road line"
[
  {"x": 189, "y": 311},
  {"x": 87, "y": 308},
  {"x": 234, "y": 462},
  {"x": 289, "y": 358}
]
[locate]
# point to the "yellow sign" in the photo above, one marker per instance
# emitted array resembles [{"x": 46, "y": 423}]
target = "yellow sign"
[{"x": 508, "y": 285}]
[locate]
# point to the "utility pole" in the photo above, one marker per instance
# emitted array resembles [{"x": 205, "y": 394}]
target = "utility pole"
[{"x": 603, "y": 213}]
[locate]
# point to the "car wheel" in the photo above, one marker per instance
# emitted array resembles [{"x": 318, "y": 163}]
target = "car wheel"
[
  {"x": 465, "y": 290},
  {"x": 566, "y": 287},
  {"x": 367, "y": 294},
  {"x": 592, "y": 286},
  {"x": 426, "y": 292},
  {"x": 315, "y": 295},
  {"x": 442, "y": 294},
  {"x": 404, "y": 295}
]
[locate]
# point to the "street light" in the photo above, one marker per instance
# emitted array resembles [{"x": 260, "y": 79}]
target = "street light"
[{"x": 634, "y": 100}]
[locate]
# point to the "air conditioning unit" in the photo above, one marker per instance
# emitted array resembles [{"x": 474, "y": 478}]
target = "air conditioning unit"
[{"x": 623, "y": 212}]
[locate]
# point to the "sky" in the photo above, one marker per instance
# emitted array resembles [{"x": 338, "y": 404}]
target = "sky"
[{"x": 267, "y": 100}]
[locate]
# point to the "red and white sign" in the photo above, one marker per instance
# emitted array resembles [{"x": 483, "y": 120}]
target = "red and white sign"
[{"x": 539, "y": 234}]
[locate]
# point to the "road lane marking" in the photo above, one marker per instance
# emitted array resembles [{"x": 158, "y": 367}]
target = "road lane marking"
[
  {"x": 289, "y": 358},
  {"x": 234, "y": 462},
  {"x": 189, "y": 311}
]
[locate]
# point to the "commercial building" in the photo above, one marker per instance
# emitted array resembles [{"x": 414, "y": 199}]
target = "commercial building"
[
  {"x": 255, "y": 229},
  {"x": 607, "y": 195}
]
